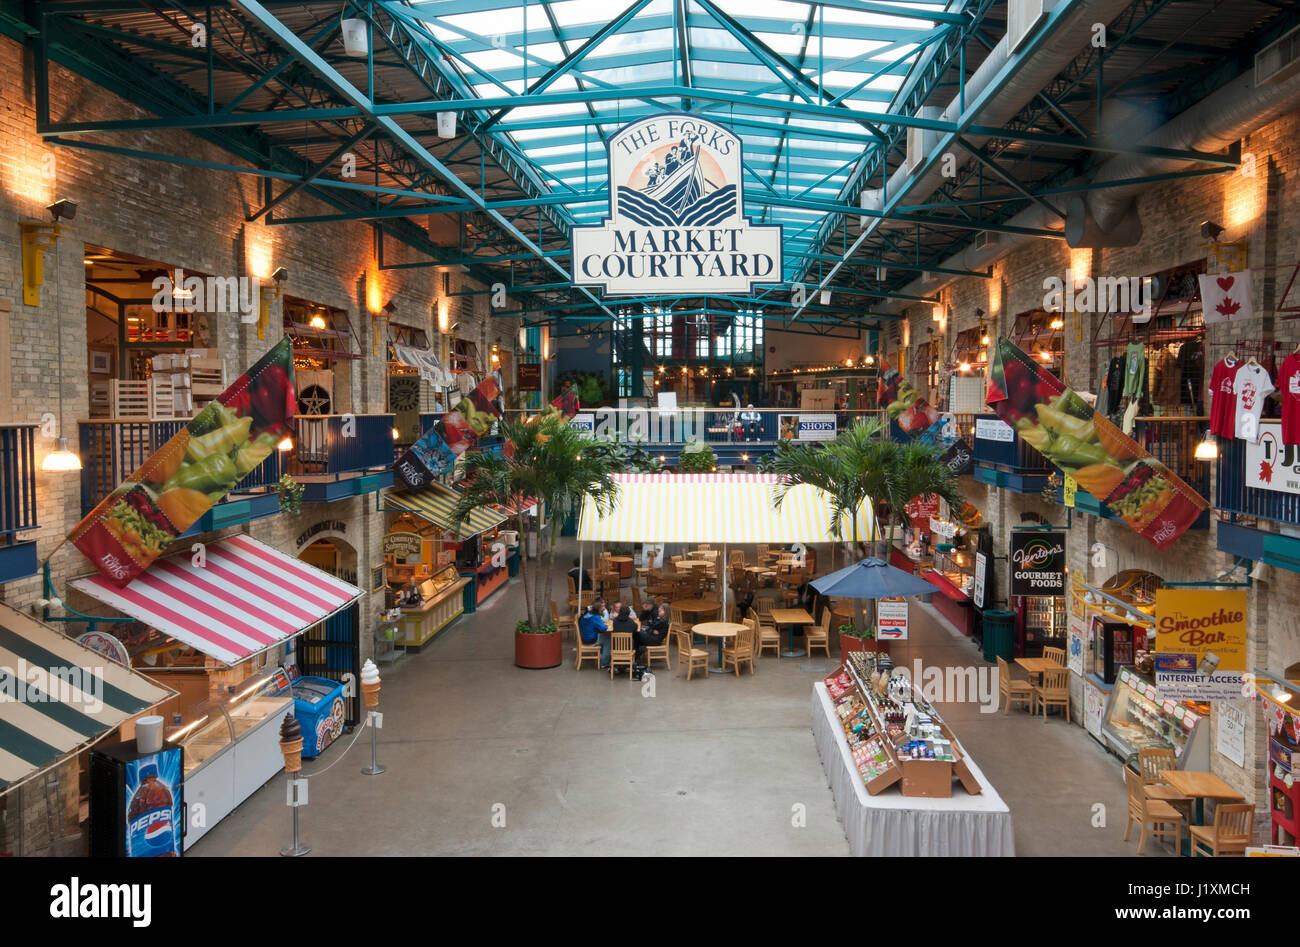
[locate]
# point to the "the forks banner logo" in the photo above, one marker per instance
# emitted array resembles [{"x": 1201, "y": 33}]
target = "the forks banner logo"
[{"x": 676, "y": 222}]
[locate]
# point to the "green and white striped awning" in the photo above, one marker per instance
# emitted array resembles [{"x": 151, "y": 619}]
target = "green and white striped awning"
[
  {"x": 58, "y": 697},
  {"x": 435, "y": 503}
]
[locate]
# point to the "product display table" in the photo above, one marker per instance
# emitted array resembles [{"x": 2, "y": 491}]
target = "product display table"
[
  {"x": 791, "y": 617},
  {"x": 722, "y": 630},
  {"x": 893, "y": 824}
]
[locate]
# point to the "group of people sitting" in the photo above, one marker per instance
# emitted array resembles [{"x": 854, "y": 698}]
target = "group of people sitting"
[{"x": 599, "y": 621}]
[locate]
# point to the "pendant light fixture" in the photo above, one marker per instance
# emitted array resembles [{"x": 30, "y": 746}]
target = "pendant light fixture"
[
  {"x": 61, "y": 458},
  {"x": 1207, "y": 449}
]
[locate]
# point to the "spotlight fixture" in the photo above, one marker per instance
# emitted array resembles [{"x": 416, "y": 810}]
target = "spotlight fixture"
[
  {"x": 280, "y": 274},
  {"x": 1210, "y": 230},
  {"x": 286, "y": 443},
  {"x": 1207, "y": 449},
  {"x": 61, "y": 458},
  {"x": 389, "y": 308},
  {"x": 317, "y": 322},
  {"x": 964, "y": 367},
  {"x": 453, "y": 327},
  {"x": 62, "y": 209}
]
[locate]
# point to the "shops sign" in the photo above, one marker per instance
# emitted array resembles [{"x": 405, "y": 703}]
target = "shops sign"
[
  {"x": 676, "y": 222},
  {"x": 1200, "y": 651},
  {"x": 1270, "y": 464},
  {"x": 1037, "y": 562},
  {"x": 807, "y": 427}
]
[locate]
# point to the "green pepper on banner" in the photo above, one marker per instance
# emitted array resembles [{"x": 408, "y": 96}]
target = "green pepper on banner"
[
  {"x": 1140, "y": 490},
  {"x": 193, "y": 471}
]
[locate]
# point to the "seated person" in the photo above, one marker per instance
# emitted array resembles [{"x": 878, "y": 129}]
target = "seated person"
[
  {"x": 654, "y": 631},
  {"x": 624, "y": 622},
  {"x": 591, "y": 625},
  {"x": 649, "y": 612},
  {"x": 577, "y": 571}
]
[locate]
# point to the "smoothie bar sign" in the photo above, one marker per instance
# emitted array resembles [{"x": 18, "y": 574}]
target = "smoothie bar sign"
[
  {"x": 1037, "y": 562},
  {"x": 193, "y": 471},
  {"x": 1138, "y": 489},
  {"x": 1200, "y": 651},
  {"x": 676, "y": 221}
]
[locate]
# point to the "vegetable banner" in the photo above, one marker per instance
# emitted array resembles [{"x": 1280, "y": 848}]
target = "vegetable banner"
[
  {"x": 1111, "y": 466},
  {"x": 450, "y": 436},
  {"x": 193, "y": 471}
]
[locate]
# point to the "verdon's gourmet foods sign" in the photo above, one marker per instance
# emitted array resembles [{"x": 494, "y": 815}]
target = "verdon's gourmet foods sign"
[{"x": 675, "y": 215}]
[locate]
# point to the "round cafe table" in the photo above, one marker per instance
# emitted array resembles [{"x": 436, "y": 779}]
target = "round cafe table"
[
  {"x": 623, "y": 564},
  {"x": 692, "y": 563},
  {"x": 721, "y": 630},
  {"x": 703, "y": 554}
]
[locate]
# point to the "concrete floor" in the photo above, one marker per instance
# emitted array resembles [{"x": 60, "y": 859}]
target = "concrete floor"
[{"x": 574, "y": 763}]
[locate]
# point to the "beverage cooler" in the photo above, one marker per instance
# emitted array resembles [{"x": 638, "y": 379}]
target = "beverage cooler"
[
  {"x": 1111, "y": 645},
  {"x": 137, "y": 806},
  {"x": 1040, "y": 623}
]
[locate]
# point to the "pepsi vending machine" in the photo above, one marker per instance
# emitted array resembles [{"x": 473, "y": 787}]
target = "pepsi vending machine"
[{"x": 137, "y": 806}]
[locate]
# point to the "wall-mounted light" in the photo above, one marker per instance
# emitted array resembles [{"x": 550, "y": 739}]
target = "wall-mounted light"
[
  {"x": 317, "y": 322},
  {"x": 1208, "y": 448},
  {"x": 1210, "y": 229},
  {"x": 395, "y": 434},
  {"x": 870, "y": 360},
  {"x": 286, "y": 443},
  {"x": 1057, "y": 323},
  {"x": 62, "y": 209},
  {"x": 61, "y": 458}
]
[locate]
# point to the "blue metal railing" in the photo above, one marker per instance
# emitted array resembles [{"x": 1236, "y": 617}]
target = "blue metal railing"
[
  {"x": 337, "y": 444},
  {"x": 112, "y": 450},
  {"x": 1233, "y": 496},
  {"x": 1014, "y": 454},
  {"x": 17, "y": 480}
]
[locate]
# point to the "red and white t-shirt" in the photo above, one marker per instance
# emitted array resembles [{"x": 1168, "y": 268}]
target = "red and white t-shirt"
[
  {"x": 1223, "y": 403},
  {"x": 1251, "y": 386},
  {"x": 1288, "y": 385}
]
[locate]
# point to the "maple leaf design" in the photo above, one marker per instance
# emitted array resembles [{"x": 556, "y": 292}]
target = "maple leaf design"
[
  {"x": 1265, "y": 471},
  {"x": 1227, "y": 307}
]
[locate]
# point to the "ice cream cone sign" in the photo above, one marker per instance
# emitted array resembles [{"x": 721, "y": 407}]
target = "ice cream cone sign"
[
  {"x": 370, "y": 683},
  {"x": 291, "y": 743}
]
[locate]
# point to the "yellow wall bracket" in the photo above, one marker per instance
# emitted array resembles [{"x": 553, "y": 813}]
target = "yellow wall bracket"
[
  {"x": 265, "y": 295},
  {"x": 37, "y": 238}
]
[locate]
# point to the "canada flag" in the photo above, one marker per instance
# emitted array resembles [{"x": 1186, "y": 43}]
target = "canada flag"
[{"x": 1226, "y": 297}]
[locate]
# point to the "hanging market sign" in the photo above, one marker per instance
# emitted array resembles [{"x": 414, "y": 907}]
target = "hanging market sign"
[
  {"x": 991, "y": 429},
  {"x": 403, "y": 545},
  {"x": 676, "y": 221},
  {"x": 891, "y": 619},
  {"x": 1270, "y": 464},
  {"x": 905, "y": 407},
  {"x": 528, "y": 376},
  {"x": 807, "y": 427},
  {"x": 920, "y": 510},
  {"x": 958, "y": 458},
  {"x": 1200, "y": 651},
  {"x": 450, "y": 436},
  {"x": 193, "y": 471},
  {"x": 1138, "y": 489},
  {"x": 1037, "y": 562},
  {"x": 1226, "y": 297}
]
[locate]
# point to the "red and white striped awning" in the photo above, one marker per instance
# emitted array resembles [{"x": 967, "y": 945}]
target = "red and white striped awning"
[{"x": 243, "y": 599}]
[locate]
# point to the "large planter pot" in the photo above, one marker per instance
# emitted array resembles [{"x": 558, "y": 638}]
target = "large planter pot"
[{"x": 538, "y": 651}]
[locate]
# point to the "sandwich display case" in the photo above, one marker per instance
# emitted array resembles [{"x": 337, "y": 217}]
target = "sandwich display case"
[
  {"x": 1135, "y": 719},
  {"x": 442, "y": 603},
  {"x": 232, "y": 747}
]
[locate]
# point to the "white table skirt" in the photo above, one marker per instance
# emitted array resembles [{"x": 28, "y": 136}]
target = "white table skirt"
[{"x": 894, "y": 824}]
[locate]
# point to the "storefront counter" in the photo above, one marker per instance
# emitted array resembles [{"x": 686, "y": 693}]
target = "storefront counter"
[
  {"x": 419, "y": 623},
  {"x": 899, "y": 559},
  {"x": 951, "y": 602},
  {"x": 483, "y": 582}
]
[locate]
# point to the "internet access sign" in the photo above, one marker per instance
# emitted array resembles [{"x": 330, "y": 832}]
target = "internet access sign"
[{"x": 676, "y": 221}]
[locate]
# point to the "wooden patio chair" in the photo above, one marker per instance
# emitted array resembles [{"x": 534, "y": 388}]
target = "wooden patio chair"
[
  {"x": 1150, "y": 812},
  {"x": 1054, "y": 691},
  {"x": 741, "y": 651},
  {"x": 622, "y": 652},
  {"x": 1230, "y": 834},
  {"x": 567, "y": 624},
  {"x": 1013, "y": 690},
  {"x": 693, "y": 656},
  {"x": 819, "y": 636}
]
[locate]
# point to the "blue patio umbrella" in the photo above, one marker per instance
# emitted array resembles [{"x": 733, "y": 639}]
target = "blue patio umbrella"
[{"x": 871, "y": 578}]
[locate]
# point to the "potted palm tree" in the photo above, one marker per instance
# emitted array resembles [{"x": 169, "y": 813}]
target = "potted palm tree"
[
  {"x": 549, "y": 464},
  {"x": 863, "y": 463}
]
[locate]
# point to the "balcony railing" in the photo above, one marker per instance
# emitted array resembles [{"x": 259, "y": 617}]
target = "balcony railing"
[
  {"x": 1233, "y": 494},
  {"x": 712, "y": 425},
  {"x": 17, "y": 480},
  {"x": 112, "y": 449},
  {"x": 1014, "y": 454},
  {"x": 1172, "y": 441},
  {"x": 335, "y": 445}
]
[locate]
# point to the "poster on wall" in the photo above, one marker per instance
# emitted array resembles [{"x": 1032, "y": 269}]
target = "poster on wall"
[
  {"x": 1094, "y": 706},
  {"x": 920, "y": 510},
  {"x": 1200, "y": 650},
  {"x": 981, "y": 571},
  {"x": 891, "y": 619},
  {"x": 1230, "y": 716},
  {"x": 1037, "y": 562},
  {"x": 676, "y": 215},
  {"x": 528, "y": 376},
  {"x": 450, "y": 436},
  {"x": 1149, "y": 497},
  {"x": 193, "y": 471},
  {"x": 1077, "y": 634}
]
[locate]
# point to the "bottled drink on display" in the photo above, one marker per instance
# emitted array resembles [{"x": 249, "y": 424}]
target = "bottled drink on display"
[{"x": 150, "y": 830}]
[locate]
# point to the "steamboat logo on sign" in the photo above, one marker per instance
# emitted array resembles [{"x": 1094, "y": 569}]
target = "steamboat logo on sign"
[{"x": 676, "y": 220}]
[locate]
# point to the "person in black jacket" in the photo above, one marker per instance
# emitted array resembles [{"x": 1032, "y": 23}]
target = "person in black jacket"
[
  {"x": 624, "y": 621},
  {"x": 654, "y": 631}
]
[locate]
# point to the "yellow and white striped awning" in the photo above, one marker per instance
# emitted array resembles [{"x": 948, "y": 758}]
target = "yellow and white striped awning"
[
  {"x": 715, "y": 508},
  {"x": 435, "y": 503}
]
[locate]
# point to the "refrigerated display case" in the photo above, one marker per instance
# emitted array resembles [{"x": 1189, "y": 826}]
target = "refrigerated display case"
[
  {"x": 1136, "y": 719},
  {"x": 1040, "y": 623},
  {"x": 1111, "y": 645},
  {"x": 137, "y": 801},
  {"x": 232, "y": 747},
  {"x": 318, "y": 705}
]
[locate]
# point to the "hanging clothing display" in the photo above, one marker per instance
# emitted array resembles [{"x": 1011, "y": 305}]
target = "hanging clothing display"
[
  {"x": 1114, "y": 384},
  {"x": 1103, "y": 393},
  {"x": 1288, "y": 387},
  {"x": 1191, "y": 369},
  {"x": 1251, "y": 386},
  {"x": 1130, "y": 415},
  {"x": 1166, "y": 376},
  {"x": 1223, "y": 402},
  {"x": 1135, "y": 368}
]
